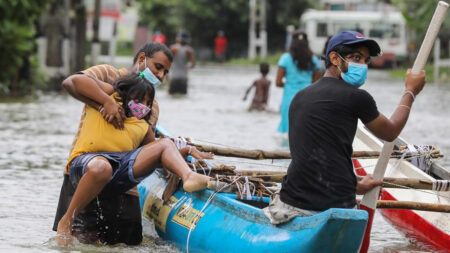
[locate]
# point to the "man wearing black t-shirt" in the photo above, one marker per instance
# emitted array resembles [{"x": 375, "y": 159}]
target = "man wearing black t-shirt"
[{"x": 323, "y": 120}]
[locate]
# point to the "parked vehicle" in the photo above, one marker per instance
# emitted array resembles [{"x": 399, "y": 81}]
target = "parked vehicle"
[{"x": 387, "y": 28}]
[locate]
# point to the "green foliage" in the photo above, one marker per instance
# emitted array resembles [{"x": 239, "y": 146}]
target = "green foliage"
[
  {"x": 17, "y": 19},
  {"x": 203, "y": 18},
  {"x": 418, "y": 14}
]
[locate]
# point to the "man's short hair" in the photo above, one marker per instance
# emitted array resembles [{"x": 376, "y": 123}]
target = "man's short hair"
[
  {"x": 264, "y": 68},
  {"x": 153, "y": 47},
  {"x": 343, "y": 51}
]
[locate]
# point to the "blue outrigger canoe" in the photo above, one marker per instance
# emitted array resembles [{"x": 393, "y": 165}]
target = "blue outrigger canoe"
[
  {"x": 227, "y": 224},
  {"x": 230, "y": 225}
]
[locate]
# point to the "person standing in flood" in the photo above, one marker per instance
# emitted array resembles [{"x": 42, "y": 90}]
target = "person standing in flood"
[
  {"x": 183, "y": 53},
  {"x": 297, "y": 67},
  {"x": 159, "y": 37},
  {"x": 220, "y": 46},
  {"x": 261, "y": 86}
]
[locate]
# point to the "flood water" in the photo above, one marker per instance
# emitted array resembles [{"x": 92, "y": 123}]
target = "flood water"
[{"x": 35, "y": 138}]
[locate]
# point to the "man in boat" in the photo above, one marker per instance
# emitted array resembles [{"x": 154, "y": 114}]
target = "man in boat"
[
  {"x": 123, "y": 210},
  {"x": 323, "y": 120}
]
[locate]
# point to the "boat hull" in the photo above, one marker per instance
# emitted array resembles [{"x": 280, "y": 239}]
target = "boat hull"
[
  {"x": 229, "y": 225},
  {"x": 430, "y": 229}
]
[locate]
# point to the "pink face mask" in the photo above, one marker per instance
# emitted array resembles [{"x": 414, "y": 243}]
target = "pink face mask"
[{"x": 138, "y": 110}]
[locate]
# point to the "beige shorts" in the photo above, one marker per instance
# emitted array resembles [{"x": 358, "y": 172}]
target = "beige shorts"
[{"x": 280, "y": 212}]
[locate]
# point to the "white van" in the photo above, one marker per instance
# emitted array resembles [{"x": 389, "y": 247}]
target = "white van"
[{"x": 387, "y": 28}]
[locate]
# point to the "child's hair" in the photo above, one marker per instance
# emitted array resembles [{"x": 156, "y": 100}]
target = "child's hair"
[
  {"x": 134, "y": 87},
  {"x": 264, "y": 68}
]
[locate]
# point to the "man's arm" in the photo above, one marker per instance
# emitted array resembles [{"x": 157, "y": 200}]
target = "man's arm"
[
  {"x": 248, "y": 90},
  {"x": 95, "y": 94},
  {"x": 69, "y": 87},
  {"x": 191, "y": 57},
  {"x": 389, "y": 129}
]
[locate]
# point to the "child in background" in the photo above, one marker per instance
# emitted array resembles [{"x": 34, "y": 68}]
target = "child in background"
[{"x": 261, "y": 89}]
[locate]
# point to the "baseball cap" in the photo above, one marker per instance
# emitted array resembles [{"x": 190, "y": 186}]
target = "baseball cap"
[{"x": 353, "y": 37}]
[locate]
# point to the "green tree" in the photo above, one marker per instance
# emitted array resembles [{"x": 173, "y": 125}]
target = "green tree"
[
  {"x": 418, "y": 14},
  {"x": 17, "y": 29},
  {"x": 203, "y": 18}
]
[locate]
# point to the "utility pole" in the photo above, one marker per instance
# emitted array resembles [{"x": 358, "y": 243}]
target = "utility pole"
[
  {"x": 79, "y": 36},
  {"x": 95, "y": 52},
  {"x": 257, "y": 35}
]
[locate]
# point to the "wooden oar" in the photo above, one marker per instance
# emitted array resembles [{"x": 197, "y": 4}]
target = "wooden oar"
[
  {"x": 259, "y": 154},
  {"x": 369, "y": 201}
]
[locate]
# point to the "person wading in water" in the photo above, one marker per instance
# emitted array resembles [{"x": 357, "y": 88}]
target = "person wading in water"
[{"x": 182, "y": 54}]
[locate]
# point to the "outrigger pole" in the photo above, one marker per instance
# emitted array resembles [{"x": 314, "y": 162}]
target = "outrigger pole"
[{"x": 369, "y": 201}]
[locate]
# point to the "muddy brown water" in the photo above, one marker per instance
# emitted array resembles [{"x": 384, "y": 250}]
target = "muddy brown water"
[{"x": 35, "y": 138}]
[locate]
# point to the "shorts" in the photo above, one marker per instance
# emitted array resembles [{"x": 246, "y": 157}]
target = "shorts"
[
  {"x": 114, "y": 216},
  {"x": 122, "y": 163},
  {"x": 280, "y": 212},
  {"x": 178, "y": 86}
]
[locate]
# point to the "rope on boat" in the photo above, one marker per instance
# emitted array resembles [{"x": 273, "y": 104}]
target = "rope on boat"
[
  {"x": 180, "y": 142},
  {"x": 423, "y": 162},
  {"x": 211, "y": 197},
  {"x": 441, "y": 185}
]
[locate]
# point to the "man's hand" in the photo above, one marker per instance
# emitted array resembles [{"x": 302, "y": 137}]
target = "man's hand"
[
  {"x": 414, "y": 82},
  {"x": 366, "y": 184},
  {"x": 113, "y": 113}
]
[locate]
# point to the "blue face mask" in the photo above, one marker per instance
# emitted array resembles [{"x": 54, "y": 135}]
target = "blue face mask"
[
  {"x": 148, "y": 74},
  {"x": 356, "y": 74}
]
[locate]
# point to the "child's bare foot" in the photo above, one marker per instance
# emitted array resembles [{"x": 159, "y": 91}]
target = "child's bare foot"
[
  {"x": 64, "y": 233},
  {"x": 195, "y": 182}
]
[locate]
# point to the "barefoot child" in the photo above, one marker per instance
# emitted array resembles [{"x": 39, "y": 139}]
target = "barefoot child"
[
  {"x": 132, "y": 152},
  {"x": 261, "y": 89}
]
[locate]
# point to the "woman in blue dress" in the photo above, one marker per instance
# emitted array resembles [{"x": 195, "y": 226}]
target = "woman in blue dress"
[{"x": 298, "y": 66}]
